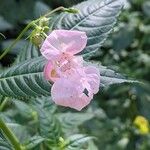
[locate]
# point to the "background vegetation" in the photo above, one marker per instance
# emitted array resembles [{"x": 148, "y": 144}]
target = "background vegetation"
[{"x": 107, "y": 123}]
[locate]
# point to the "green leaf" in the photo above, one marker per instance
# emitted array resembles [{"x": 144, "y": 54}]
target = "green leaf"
[
  {"x": 34, "y": 141},
  {"x": 26, "y": 79},
  {"x": 96, "y": 18},
  {"x": 110, "y": 77},
  {"x": 28, "y": 52},
  {"x": 77, "y": 141},
  {"x": 24, "y": 109},
  {"x": 4, "y": 145},
  {"x": 20, "y": 131},
  {"x": 49, "y": 125},
  {"x": 123, "y": 38},
  {"x": 71, "y": 120}
]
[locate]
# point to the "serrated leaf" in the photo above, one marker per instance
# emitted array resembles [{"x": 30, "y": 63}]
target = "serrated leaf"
[
  {"x": 28, "y": 52},
  {"x": 4, "y": 145},
  {"x": 49, "y": 125},
  {"x": 24, "y": 109},
  {"x": 20, "y": 131},
  {"x": 46, "y": 103},
  {"x": 77, "y": 141},
  {"x": 109, "y": 77},
  {"x": 26, "y": 79},
  {"x": 71, "y": 120},
  {"x": 95, "y": 17},
  {"x": 34, "y": 141}
]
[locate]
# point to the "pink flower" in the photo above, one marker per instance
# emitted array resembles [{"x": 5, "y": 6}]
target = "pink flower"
[
  {"x": 53, "y": 70},
  {"x": 77, "y": 90},
  {"x": 63, "y": 42},
  {"x": 74, "y": 85}
]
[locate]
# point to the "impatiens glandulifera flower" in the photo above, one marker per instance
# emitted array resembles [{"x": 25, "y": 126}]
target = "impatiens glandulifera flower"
[
  {"x": 77, "y": 90},
  {"x": 61, "y": 67},
  {"x": 74, "y": 85},
  {"x": 63, "y": 43}
]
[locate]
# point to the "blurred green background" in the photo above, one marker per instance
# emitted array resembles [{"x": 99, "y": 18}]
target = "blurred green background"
[{"x": 127, "y": 50}]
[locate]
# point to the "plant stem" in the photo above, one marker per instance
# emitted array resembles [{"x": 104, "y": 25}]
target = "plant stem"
[
  {"x": 26, "y": 28},
  {"x": 53, "y": 11},
  {"x": 17, "y": 39},
  {"x": 3, "y": 104},
  {"x": 11, "y": 137}
]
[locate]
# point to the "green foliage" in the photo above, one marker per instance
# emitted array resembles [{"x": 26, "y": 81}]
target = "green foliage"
[
  {"x": 107, "y": 124},
  {"x": 26, "y": 80},
  {"x": 4, "y": 145},
  {"x": 28, "y": 52},
  {"x": 95, "y": 21}
]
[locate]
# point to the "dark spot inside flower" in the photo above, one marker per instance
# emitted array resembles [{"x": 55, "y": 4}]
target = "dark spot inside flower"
[{"x": 86, "y": 92}]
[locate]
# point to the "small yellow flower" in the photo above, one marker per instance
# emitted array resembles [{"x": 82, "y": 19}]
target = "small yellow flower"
[{"x": 142, "y": 124}]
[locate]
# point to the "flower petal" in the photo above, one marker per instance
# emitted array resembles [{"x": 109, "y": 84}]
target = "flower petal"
[
  {"x": 49, "y": 51},
  {"x": 70, "y": 94},
  {"x": 93, "y": 78},
  {"x": 60, "y": 41},
  {"x": 50, "y": 72},
  {"x": 72, "y": 42}
]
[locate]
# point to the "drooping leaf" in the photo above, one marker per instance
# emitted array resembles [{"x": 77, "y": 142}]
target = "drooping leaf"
[
  {"x": 26, "y": 79},
  {"x": 95, "y": 17}
]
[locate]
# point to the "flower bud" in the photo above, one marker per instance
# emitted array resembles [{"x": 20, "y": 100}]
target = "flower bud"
[
  {"x": 44, "y": 22},
  {"x": 46, "y": 29},
  {"x": 37, "y": 39}
]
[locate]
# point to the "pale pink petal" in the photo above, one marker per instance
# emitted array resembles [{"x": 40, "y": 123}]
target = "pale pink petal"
[
  {"x": 63, "y": 41},
  {"x": 77, "y": 61},
  {"x": 70, "y": 94},
  {"x": 50, "y": 72},
  {"x": 93, "y": 78},
  {"x": 49, "y": 51},
  {"x": 71, "y": 42}
]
